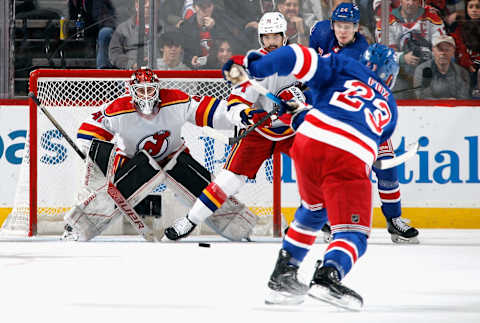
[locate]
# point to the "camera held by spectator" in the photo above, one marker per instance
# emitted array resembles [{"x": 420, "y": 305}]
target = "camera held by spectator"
[{"x": 419, "y": 46}]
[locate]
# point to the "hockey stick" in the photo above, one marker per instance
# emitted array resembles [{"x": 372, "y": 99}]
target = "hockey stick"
[
  {"x": 394, "y": 162},
  {"x": 238, "y": 76},
  {"x": 57, "y": 125},
  {"x": 234, "y": 140},
  {"x": 406, "y": 90},
  {"x": 112, "y": 191}
]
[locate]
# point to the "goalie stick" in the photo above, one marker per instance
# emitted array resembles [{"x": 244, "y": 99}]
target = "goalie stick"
[
  {"x": 117, "y": 197},
  {"x": 238, "y": 76}
]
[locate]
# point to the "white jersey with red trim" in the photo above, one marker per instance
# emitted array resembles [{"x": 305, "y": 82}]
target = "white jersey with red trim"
[
  {"x": 427, "y": 26},
  {"x": 275, "y": 83},
  {"x": 158, "y": 134}
]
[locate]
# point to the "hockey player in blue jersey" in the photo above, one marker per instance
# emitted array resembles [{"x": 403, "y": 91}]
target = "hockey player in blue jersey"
[
  {"x": 340, "y": 35},
  {"x": 334, "y": 148}
]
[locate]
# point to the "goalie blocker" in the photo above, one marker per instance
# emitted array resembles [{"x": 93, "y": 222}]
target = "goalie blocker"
[{"x": 135, "y": 180}]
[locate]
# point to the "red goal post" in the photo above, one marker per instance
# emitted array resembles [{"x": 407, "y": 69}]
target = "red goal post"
[{"x": 69, "y": 95}]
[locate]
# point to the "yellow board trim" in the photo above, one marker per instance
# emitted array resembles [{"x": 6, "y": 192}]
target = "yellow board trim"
[
  {"x": 4, "y": 212},
  {"x": 427, "y": 218}
]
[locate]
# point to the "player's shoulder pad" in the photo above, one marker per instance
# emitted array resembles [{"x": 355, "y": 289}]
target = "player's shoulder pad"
[
  {"x": 173, "y": 96},
  {"x": 119, "y": 106},
  {"x": 432, "y": 15}
]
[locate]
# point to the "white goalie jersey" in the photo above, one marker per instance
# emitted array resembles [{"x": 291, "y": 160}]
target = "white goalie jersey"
[{"x": 158, "y": 134}]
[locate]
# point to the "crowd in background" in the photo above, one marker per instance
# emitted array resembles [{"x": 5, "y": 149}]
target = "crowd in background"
[{"x": 437, "y": 41}]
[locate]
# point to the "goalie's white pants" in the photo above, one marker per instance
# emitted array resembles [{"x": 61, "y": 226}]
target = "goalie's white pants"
[{"x": 213, "y": 196}]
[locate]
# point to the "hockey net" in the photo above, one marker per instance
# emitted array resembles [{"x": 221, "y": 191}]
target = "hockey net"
[{"x": 50, "y": 174}]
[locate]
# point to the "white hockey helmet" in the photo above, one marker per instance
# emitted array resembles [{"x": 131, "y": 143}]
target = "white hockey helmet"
[{"x": 272, "y": 23}]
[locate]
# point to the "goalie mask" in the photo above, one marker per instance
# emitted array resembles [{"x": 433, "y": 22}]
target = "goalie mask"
[
  {"x": 272, "y": 23},
  {"x": 145, "y": 91}
]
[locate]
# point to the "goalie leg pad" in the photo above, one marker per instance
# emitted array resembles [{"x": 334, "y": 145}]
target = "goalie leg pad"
[
  {"x": 187, "y": 178},
  {"x": 100, "y": 152},
  {"x": 151, "y": 206},
  {"x": 92, "y": 216},
  {"x": 135, "y": 180},
  {"x": 135, "y": 173},
  {"x": 186, "y": 171},
  {"x": 233, "y": 220}
]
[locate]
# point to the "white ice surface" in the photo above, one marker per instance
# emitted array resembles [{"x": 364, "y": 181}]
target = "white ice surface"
[{"x": 123, "y": 279}]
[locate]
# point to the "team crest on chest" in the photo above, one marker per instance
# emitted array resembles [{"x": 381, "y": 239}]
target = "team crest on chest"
[{"x": 155, "y": 144}]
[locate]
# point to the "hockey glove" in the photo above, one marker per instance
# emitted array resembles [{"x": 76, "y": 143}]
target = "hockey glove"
[
  {"x": 234, "y": 60},
  {"x": 252, "y": 116},
  {"x": 293, "y": 98}
]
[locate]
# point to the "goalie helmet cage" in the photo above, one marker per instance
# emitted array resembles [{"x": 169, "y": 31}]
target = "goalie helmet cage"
[{"x": 74, "y": 93}]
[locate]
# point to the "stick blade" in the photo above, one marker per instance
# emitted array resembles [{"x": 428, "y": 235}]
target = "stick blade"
[{"x": 394, "y": 162}]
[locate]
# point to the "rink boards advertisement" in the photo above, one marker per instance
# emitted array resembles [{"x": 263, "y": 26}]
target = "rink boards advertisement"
[{"x": 439, "y": 185}]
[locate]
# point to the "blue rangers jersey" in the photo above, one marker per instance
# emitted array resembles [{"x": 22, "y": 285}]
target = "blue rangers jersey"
[
  {"x": 323, "y": 40},
  {"x": 352, "y": 109}
]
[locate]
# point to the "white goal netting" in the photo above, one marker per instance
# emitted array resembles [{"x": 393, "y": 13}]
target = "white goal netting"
[{"x": 50, "y": 172}]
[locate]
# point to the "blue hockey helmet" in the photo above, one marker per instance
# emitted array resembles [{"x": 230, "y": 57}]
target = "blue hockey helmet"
[
  {"x": 347, "y": 12},
  {"x": 381, "y": 59}
]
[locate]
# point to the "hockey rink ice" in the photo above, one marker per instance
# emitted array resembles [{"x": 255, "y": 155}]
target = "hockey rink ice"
[{"x": 123, "y": 279}]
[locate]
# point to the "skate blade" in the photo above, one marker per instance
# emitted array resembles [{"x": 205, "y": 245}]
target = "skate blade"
[
  {"x": 274, "y": 297},
  {"x": 346, "y": 302},
  {"x": 401, "y": 240}
]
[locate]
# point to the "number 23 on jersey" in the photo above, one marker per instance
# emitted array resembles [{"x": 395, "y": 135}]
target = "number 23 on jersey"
[{"x": 354, "y": 98}]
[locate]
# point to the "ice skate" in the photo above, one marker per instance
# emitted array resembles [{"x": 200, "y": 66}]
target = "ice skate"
[
  {"x": 283, "y": 287},
  {"x": 69, "y": 234},
  {"x": 180, "y": 229},
  {"x": 401, "y": 232},
  {"x": 326, "y": 286}
]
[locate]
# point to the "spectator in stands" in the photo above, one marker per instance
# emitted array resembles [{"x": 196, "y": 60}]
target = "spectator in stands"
[
  {"x": 105, "y": 14},
  {"x": 84, "y": 9},
  {"x": 297, "y": 31},
  {"x": 125, "y": 43},
  {"x": 411, "y": 29},
  {"x": 171, "y": 48},
  {"x": 315, "y": 10},
  {"x": 200, "y": 30},
  {"x": 220, "y": 53},
  {"x": 173, "y": 12},
  {"x": 467, "y": 41},
  {"x": 440, "y": 77},
  {"x": 248, "y": 14}
]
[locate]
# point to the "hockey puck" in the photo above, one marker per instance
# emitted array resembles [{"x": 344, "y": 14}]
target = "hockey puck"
[{"x": 204, "y": 244}]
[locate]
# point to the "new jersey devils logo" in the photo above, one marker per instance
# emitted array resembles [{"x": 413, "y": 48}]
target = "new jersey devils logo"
[{"x": 155, "y": 144}]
